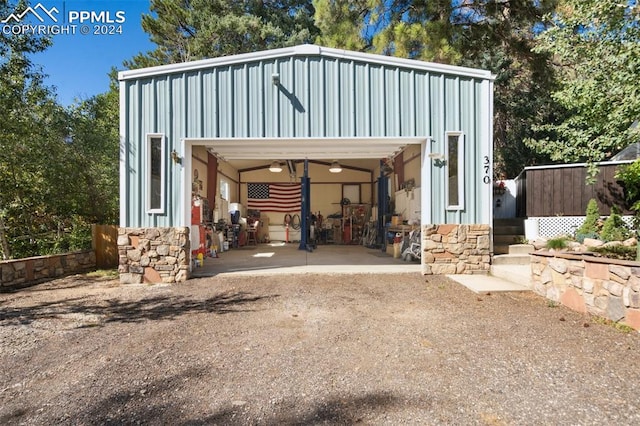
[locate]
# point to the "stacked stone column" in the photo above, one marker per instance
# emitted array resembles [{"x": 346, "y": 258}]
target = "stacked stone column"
[
  {"x": 153, "y": 255},
  {"x": 456, "y": 249}
]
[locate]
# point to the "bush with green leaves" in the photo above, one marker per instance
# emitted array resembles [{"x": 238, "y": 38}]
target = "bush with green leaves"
[
  {"x": 558, "y": 243},
  {"x": 629, "y": 175},
  {"x": 616, "y": 252},
  {"x": 614, "y": 228},
  {"x": 589, "y": 228}
]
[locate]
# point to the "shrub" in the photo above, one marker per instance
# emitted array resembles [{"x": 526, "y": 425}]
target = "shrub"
[
  {"x": 558, "y": 243},
  {"x": 590, "y": 225},
  {"x": 614, "y": 228},
  {"x": 629, "y": 175},
  {"x": 581, "y": 237},
  {"x": 616, "y": 252}
]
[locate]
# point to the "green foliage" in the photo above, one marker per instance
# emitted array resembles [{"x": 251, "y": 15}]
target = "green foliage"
[
  {"x": 58, "y": 166},
  {"x": 186, "y": 30},
  {"x": 581, "y": 237},
  {"x": 623, "y": 328},
  {"x": 473, "y": 34},
  {"x": 596, "y": 48},
  {"x": 558, "y": 243},
  {"x": 630, "y": 177},
  {"x": 590, "y": 224},
  {"x": 614, "y": 228},
  {"x": 616, "y": 252},
  {"x": 341, "y": 23}
]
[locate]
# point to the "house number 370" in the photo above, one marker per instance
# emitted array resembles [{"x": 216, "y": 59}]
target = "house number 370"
[{"x": 487, "y": 166}]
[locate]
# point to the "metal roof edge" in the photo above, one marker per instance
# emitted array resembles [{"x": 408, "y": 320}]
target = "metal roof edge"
[
  {"x": 407, "y": 63},
  {"x": 302, "y": 50},
  {"x": 205, "y": 63},
  {"x": 563, "y": 166}
]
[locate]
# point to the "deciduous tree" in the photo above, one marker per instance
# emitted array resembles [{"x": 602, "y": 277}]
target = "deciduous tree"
[{"x": 596, "y": 48}]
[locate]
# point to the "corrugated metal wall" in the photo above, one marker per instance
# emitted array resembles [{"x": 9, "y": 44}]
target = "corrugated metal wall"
[{"x": 318, "y": 96}]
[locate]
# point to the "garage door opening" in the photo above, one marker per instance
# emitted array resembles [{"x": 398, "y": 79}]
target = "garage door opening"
[{"x": 245, "y": 203}]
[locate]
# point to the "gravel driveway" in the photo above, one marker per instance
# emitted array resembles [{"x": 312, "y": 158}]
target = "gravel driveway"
[{"x": 307, "y": 349}]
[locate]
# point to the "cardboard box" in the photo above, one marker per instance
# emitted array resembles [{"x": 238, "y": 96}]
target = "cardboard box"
[{"x": 396, "y": 220}]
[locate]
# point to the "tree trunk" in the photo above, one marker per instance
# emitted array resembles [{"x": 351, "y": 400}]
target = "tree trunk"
[{"x": 4, "y": 244}]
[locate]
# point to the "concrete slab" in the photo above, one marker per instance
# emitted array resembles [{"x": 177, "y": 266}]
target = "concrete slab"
[
  {"x": 518, "y": 274},
  {"x": 487, "y": 283},
  {"x": 287, "y": 258}
]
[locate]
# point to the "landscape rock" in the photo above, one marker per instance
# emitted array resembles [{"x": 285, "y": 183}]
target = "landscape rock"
[{"x": 591, "y": 242}]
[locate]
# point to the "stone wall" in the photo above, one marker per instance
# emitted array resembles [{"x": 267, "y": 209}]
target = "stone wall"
[
  {"x": 18, "y": 273},
  {"x": 153, "y": 255},
  {"x": 607, "y": 288},
  {"x": 456, "y": 249}
]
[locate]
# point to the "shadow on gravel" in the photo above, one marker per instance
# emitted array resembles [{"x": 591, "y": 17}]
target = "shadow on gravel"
[
  {"x": 137, "y": 405},
  {"x": 153, "y": 308},
  {"x": 346, "y": 410}
]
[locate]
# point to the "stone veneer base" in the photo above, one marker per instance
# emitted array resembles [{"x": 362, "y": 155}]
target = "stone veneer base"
[
  {"x": 456, "y": 249},
  {"x": 153, "y": 255}
]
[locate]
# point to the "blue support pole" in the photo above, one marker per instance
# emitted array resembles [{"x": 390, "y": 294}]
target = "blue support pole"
[
  {"x": 383, "y": 195},
  {"x": 305, "y": 207}
]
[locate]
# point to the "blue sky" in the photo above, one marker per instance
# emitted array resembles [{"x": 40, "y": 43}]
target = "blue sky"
[{"x": 77, "y": 64}]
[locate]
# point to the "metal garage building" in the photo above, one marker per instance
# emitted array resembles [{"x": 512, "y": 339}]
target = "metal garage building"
[{"x": 304, "y": 103}]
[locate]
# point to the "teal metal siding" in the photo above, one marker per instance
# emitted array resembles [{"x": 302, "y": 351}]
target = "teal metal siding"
[{"x": 318, "y": 96}]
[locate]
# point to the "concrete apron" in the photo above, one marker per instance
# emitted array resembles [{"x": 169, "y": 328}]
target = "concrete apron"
[{"x": 283, "y": 258}]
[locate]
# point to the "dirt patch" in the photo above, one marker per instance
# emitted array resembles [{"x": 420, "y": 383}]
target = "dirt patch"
[{"x": 307, "y": 349}]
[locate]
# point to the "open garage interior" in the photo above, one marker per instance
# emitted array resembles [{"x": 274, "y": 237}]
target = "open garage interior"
[{"x": 249, "y": 195}]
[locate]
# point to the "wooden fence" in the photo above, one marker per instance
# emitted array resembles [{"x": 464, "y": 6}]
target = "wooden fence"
[
  {"x": 105, "y": 244},
  {"x": 562, "y": 190}
]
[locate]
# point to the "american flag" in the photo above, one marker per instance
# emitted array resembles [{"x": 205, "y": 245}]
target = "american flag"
[{"x": 274, "y": 197}]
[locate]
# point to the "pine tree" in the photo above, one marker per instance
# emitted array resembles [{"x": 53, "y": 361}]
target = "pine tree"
[
  {"x": 186, "y": 30},
  {"x": 589, "y": 228},
  {"x": 614, "y": 228}
]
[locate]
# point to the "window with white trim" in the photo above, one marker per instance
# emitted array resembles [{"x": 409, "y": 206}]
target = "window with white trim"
[
  {"x": 156, "y": 173},
  {"x": 454, "y": 154},
  {"x": 224, "y": 189}
]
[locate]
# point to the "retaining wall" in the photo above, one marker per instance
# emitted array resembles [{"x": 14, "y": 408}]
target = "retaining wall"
[
  {"x": 456, "y": 249},
  {"x": 153, "y": 255},
  {"x": 18, "y": 273},
  {"x": 607, "y": 288}
]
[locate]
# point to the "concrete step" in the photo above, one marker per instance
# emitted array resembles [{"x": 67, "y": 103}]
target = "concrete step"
[
  {"x": 507, "y": 238},
  {"x": 521, "y": 249},
  {"x": 508, "y": 222},
  {"x": 508, "y": 230},
  {"x": 511, "y": 259},
  {"x": 500, "y": 248},
  {"x": 516, "y": 274}
]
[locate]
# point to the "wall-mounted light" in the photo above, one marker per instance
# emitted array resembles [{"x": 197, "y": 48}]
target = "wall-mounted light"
[
  {"x": 175, "y": 157},
  {"x": 335, "y": 167},
  {"x": 438, "y": 159},
  {"x": 275, "y": 79},
  {"x": 275, "y": 167}
]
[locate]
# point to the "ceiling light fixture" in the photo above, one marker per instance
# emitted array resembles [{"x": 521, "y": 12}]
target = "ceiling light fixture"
[
  {"x": 335, "y": 167},
  {"x": 275, "y": 167}
]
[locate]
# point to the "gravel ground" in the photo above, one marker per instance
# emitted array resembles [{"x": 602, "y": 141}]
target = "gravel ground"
[{"x": 307, "y": 349}]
